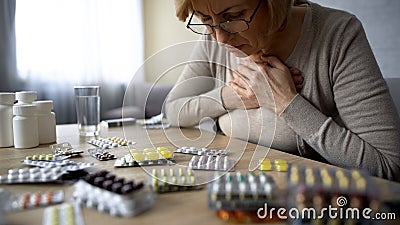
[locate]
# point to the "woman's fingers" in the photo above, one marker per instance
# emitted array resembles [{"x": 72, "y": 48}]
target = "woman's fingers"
[
  {"x": 274, "y": 62},
  {"x": 248, "y": 100},
  {"x": 297, "y": 76},
  {"x": 295, "y": 71},
  {"x": 239, "y": 80},
  {"x": 237, "y": 87},
  {"x": 298, "y": 79}
]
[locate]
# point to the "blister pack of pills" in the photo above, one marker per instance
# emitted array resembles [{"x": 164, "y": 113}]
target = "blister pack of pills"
[
  {"x": 322, "y": 188},
  {"x": 280, "y": 165},
  {"x": 34, "y": 200},
  {"x": 146, "y": 157},
  {"x": 108, "y": 193},
  {"x": 111, "y": 142},
  {"x": 201, "y": 151},
  {"x": 173, "y": 179},
  {"x": 216, "y": 163},
  {"x": 65, "y": 164},
  {"x": 47, "y": 157},
  {"x": 348, "y": 182},
  {"x": 157, "y": 126},
  {"x": 237, "y": 191},
  {"x": 65, "y": 214},
  {"x": 65, "y": 149},
  {"x": 32, "y": 175},
  {"x": 101, "y": 154}
]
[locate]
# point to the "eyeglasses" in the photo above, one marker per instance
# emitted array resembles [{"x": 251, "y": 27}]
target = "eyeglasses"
[{"x": 233, "y": 27}]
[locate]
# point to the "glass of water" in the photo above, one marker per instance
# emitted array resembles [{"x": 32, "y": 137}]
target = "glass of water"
[{"x": 87, "y": 102}]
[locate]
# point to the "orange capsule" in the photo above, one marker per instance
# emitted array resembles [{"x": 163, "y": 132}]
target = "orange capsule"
[
  {"x": 37, "y": 198},
  {"x": 224, "y": 215}
]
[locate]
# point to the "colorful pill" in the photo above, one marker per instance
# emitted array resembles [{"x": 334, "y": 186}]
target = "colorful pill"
[
  {"x": 280, "y": 161},
  {"x": 339, "y": 174},
  {"x": 265, "y": 167},
  {"x": 356, "y": 174},
  {"x": 162, "y": 172},
  {"x": 361, "y": 184},
  {"x": 160, "y": 149},
  {"x": 138, "y": 156},
  {"x": 34, "y": 170},
  {"x": 154, "y": 172},
  {"x": 166, "y": 154},
  {"x": 183, "y": 180},
  {"x": 281, "y": 167},
  {"x": 151, "y": 156},
  {"x": 190, "y": 172},
  {"x": 133, "y": 151},
  {"x": 24, "y": 170},
  {"x": 192, "y": 180},
  {"x": 180, "y": 172},
  {"x": 265, "y": 161},
  {"x": 146, "y": 150}
]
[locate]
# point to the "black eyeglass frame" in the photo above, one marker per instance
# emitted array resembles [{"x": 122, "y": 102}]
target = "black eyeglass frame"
[{"x": 213, "y": 27}]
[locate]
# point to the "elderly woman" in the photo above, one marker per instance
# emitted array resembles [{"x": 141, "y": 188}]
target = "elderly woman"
[{"x": 241, "y": 78}]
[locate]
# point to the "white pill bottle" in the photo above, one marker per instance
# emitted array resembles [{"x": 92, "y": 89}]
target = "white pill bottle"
[
  {"x": 46, "y": 121},
  {"x": 25, "y": 97},
  {"x": 25, "y": 125},
  {"x": 6, "y": 119}
]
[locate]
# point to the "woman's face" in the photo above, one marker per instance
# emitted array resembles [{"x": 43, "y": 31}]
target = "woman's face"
[{"x": 250, "y": 41}]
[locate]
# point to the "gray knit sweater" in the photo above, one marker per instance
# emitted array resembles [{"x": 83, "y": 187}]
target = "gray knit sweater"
[{"x": 344, "y": 115}]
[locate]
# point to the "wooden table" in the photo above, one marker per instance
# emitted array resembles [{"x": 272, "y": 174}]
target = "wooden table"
[{"x": 171, "y": 208}]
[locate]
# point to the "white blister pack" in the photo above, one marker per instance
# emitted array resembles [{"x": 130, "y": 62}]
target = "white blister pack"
[{"x": 216, "y": 163}]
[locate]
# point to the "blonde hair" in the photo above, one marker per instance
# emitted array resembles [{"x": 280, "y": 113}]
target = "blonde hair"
[
  {"x": 183, "y": 9},
  {"x": 278, "y": 12}
]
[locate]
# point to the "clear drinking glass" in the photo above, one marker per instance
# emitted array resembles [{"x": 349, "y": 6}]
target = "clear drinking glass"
[{"x": 87, "y": 102}]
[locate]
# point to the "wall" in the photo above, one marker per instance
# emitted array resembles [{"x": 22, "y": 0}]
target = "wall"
[
  {"x": 381, "y": 23},
  {"x": 162, "y": 29}
]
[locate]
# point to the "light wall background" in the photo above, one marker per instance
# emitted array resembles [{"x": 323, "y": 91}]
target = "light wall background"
[
  {"x": 162, "y": 30},
  {"x": 381, "y": 21},
  {"x": 380, "y": 18}
]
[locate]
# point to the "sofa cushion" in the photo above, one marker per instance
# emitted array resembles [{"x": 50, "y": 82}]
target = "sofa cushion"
[{"x": 142, "y": 100}]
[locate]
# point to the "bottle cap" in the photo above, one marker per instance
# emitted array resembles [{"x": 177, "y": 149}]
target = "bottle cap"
[
  {"x": 26, "y": 96},
  {"x": 43, "y": 106},
  {"x": 7, "y": 98},
  {"x": 24, "y": 110}
]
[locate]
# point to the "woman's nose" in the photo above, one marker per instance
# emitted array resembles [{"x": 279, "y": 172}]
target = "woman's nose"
[{"x": 222, "y": 36}]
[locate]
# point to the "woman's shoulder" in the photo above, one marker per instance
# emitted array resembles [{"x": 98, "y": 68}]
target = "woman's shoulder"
[
  {"x": 331, "y": 26},
  {"x": 331, "y": 18}
]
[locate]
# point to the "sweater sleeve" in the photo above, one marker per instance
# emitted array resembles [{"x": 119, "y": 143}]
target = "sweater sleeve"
[
  {"x": 197, "y": 93},
  {"x": 368, "y": 137}
]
